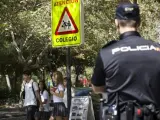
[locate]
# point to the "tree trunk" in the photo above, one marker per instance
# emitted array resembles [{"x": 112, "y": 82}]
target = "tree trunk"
[
  {"x": 14, "y": 82},
  {"x": 77, "y": 71},
  {"x": 21, "y": 57},
  {"x": 134, "y": 1},
  {"x": 43, "y": 74},
  {"x": 8, "y": 82}
]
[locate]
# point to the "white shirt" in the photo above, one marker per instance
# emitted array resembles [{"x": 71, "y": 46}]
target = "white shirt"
[
  {"x": 65, "y": 96},
  {"x": 45, "y": 96},
  {"x": 56, "y": 98},
  {"x": 30, "y": 98}
]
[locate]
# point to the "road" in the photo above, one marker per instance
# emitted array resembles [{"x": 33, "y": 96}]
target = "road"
[{"x": 12, "y": 114}]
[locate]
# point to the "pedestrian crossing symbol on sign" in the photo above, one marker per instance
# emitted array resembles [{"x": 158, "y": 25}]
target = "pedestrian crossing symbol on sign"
[{"x": 66, "y": 24}]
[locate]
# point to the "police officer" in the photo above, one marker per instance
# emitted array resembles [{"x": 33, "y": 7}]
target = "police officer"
[{"x": 128, "y": 69}]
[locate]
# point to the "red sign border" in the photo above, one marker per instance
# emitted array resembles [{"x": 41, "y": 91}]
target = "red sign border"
[{"x": 66, "y": 32}]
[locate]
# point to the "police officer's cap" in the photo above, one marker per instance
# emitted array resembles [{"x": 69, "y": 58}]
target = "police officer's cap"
[{"x": 128, "y": 11}]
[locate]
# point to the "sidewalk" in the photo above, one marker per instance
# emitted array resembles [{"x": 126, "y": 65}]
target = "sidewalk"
[{"x": 12, "y": 114}]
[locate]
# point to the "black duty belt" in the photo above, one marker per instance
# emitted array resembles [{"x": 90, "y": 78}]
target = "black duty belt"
[{"x": 132, "y": 111}]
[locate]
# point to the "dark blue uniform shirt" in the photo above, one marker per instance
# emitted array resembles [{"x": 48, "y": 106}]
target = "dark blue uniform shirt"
[{"x": 130, "y": 66}]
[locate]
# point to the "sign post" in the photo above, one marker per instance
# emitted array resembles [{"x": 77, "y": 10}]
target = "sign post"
[
  {"x": 67, "y": 30},
  {"x": 68, "y": 78}
]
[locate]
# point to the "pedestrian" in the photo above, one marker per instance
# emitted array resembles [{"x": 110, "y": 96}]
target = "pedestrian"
[
  {"x": 65, "y": 97},
  {"x": 45, "y": 114},
  {"x": 58, "y": 93},
  {"x": 129, "y": 70},
  {"x": 32, "y": 100}
]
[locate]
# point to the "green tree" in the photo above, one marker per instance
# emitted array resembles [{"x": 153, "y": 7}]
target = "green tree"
[{"x": 25, "y": 33}]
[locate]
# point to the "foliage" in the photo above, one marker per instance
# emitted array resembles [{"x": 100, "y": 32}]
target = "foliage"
[
  {"x": 148, "y": 14},
  {"x": 25, "y": 32}
]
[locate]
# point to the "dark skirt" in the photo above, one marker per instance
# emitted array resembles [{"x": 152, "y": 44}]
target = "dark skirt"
[
  {"x": 59, "y": 109},
  {"x": 42, "y": 115}
]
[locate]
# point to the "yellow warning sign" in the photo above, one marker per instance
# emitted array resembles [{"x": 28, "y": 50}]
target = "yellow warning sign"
[{"x": 67, "y": 23}]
